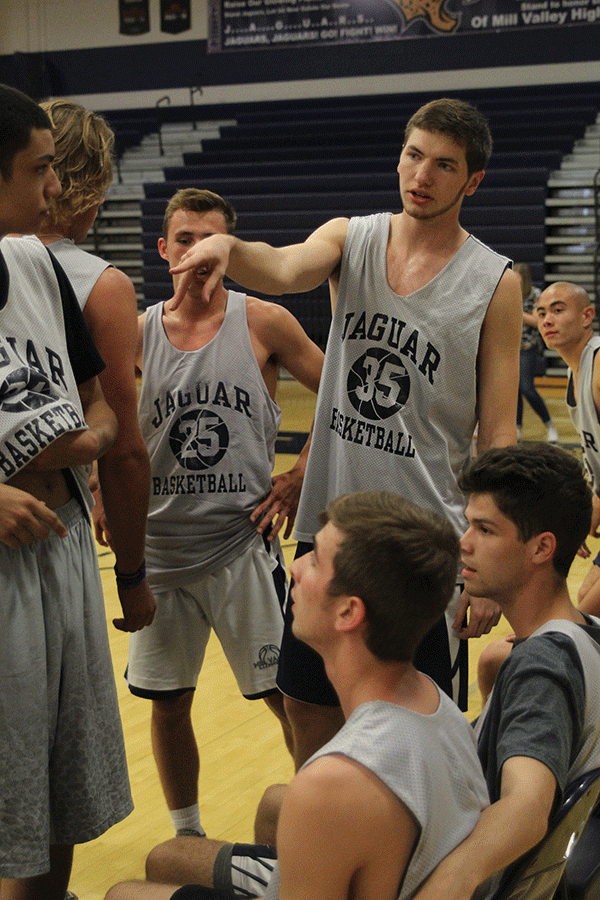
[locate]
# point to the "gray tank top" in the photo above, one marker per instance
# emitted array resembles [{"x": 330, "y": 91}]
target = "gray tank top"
[
  {"x": 583, "y": 411},
  {"x": 83, "y": 269},
  {"x": 589, "y": 653},
  {"x": 210, "y": 427},
  {"x": 398, "y": 396},
  {"x": 429, "y": 762},
  {"x": 39, "y": 399}
]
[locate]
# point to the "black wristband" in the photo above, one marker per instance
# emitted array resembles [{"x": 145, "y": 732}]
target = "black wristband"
[{"x": 132, "y": 580}]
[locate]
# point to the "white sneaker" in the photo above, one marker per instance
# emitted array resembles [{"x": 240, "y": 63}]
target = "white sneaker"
[{"x": 552, "y": 435}]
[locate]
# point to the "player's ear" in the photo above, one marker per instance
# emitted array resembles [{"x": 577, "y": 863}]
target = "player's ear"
[
  {"x": 162, "y": 248},
  {"x": 475, "y": 180},
  {"x": 588, "y": 316},
  {"x": 351, "y": 613},
  {"x": 544, "y": 547}
]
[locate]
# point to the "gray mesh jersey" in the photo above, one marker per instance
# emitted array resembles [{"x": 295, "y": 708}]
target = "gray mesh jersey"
[
  {"x": 39, "y": 399},
  {"x": 210, "y": 427},
  {"x": 83, "y": 269},
  {"x": 429, "y": 762},
  {"x": 583, "y": 412},
  {"x": 397, "y": 401}
]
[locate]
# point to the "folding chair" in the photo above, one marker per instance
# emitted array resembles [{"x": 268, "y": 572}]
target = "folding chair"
[
  {"x": 582, "y": 872},
  {"x": 539, "y": 874}
]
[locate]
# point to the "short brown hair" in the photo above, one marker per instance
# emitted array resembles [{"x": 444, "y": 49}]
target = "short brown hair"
[
  {"x": 83, "y": 148},
  {"x": 462, "y": 122},
  {"x": 400, "y": 560},
  {"x": 199, "y": 201}
]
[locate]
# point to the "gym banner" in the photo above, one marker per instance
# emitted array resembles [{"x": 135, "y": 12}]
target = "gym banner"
[
  {"x": 248, "y": 24},
  {"x": 134, "y": 17},
  {"x": 174, "y": 16}
]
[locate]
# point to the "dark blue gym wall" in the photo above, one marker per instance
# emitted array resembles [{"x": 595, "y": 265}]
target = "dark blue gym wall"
[
  {"x": 162, "y": 66},
  {"x": 65, "y": 62}
]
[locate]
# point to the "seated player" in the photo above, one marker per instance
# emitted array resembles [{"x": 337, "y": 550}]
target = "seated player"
[
  {"x": 529, "y": 511},
  {"x": 381, "y": 572}
]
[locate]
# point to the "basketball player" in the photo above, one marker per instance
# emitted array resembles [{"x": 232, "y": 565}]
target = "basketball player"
[
  {"x": 565, "y": 320},
  {"x": 529, "y": 510},
  {"x": 83, "y": 145},
  {"x": 400, "y": 785},
  {"x": 209, "y": 418},
  {"x": 424, "y": 342},
  {"x": 63, "y": 770}
]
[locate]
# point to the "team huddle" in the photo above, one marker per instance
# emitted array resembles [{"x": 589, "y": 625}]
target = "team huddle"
[{"x": 412, "y": 534}]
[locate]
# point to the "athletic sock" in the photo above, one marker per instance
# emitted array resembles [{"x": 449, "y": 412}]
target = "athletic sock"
[{"x": 187, "y": 820}]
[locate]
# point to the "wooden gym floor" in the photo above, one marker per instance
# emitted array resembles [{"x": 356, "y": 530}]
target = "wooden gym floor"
[{"x": 241, "y": 745}]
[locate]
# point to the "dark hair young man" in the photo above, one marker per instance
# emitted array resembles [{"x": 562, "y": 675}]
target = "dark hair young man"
[
  {"x": 529, "y": 511},
  {"x": 62, "y": 759}
]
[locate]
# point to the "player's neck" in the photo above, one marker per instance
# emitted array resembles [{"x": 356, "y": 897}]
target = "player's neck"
[
  {"x": 572, "y": 354},
  {"x": 417, "y": 253},
  {"x": 194, "y": 309},
  {"x": 194, "y": 323},
  {"x": 52, "y": 231},
  {"x": 443, "y": 233},
  {"x": 50, "y": 238},
  {"x": 368, "y": 679},
  {"x": 535, "y": 605}
]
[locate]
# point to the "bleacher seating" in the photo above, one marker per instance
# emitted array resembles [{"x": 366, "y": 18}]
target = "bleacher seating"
[{"x": 287, "y": 167}]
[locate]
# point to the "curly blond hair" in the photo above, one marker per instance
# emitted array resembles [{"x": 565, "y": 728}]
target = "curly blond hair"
[{"x": 83, "y": 145}]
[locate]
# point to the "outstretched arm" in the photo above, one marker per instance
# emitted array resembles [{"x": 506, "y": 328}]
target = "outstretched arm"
[
  {"x": 505, "y": 831},
  {"x": 261, "y": 267},
  {"x": 124, "y": 471}
]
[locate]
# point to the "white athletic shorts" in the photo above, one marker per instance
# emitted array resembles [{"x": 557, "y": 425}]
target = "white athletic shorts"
[
  {"x": 63, "y": 771},
  {"x": 242, "y": 602}
]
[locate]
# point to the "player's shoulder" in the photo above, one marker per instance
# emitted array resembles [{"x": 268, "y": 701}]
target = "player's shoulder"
[
  {"x": 334, "y": 776},
  {"x": 549, "y": 653},
  {"x": 509, "y": 288},
  {"x": 267, "y": 316},
  {"x": 113, "y": 279}
]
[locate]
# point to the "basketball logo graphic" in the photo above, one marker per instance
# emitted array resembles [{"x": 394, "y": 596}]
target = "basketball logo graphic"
[
  {"x": 268, "y": 656},
  {"x": 199, "y": 439},
  {"x": 24, "y": 389},
  {"x": 378, "y": 384}
]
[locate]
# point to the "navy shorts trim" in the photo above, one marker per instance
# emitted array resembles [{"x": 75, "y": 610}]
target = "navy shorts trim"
[{"x": 301, "y": 674}]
